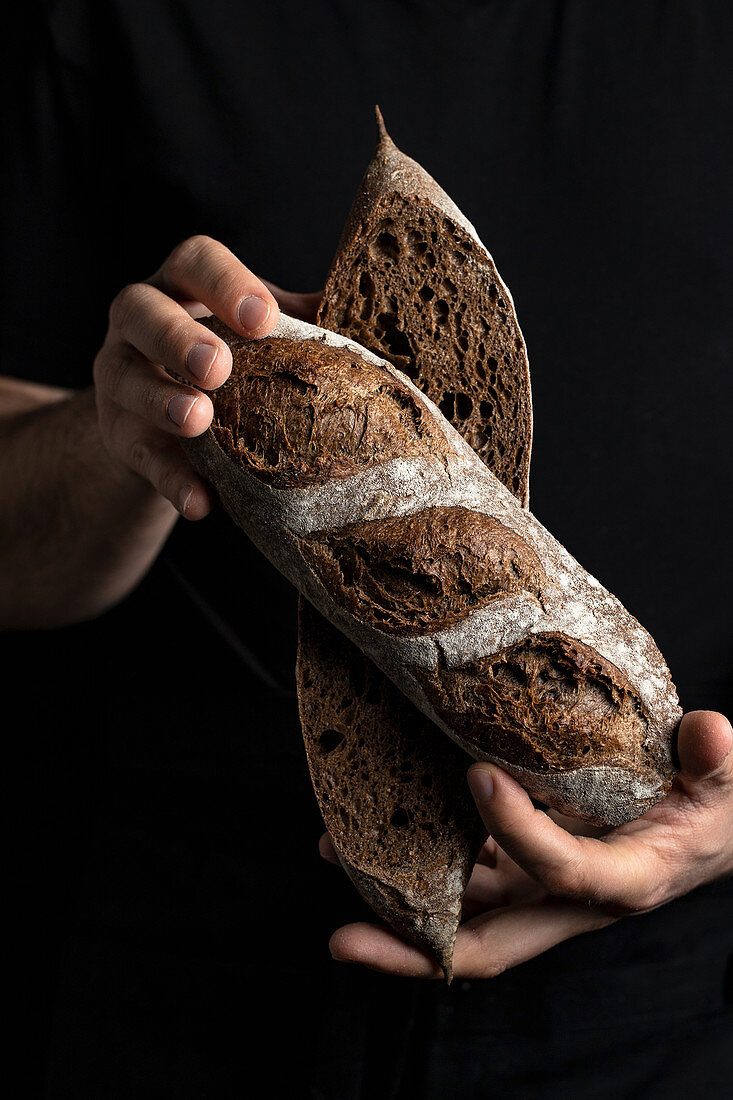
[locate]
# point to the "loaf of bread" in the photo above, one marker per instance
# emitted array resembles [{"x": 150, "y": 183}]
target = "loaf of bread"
[{"x": 357, "y": 488}]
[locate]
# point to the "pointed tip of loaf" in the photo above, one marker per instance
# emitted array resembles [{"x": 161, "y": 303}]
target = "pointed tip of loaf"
[{"x": 383, "y": 137}]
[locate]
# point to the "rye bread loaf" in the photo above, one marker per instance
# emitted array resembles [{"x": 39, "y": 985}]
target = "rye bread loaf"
[
  {"x": 332, "y": 461},
  {"x": 401, "y": 823}
]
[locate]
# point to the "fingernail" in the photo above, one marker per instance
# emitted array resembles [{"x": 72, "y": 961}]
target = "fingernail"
[
  {"x": 481, "y": 782},
  {"x": 184, "y": 498},
  {"x": 179, "y": 408},
  {"x": 200, "y": 360},
  {"x": 253, "y": 312}
]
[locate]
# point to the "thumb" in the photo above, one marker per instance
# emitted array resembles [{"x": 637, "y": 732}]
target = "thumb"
[{"x": 704, "y": 743}]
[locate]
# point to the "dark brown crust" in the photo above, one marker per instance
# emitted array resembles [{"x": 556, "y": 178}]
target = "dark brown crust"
[
  {"x": 420, "y": 573},
  {"x": 548, "y": 703},
  {"x": 391, "y": 788},
  {"x": 298, "y": 413}
]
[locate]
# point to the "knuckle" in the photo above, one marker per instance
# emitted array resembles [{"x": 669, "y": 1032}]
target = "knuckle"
[
  {"x": 222, "y": 284},
  {"x": 115, "y": 435},
  {"x": 171, "y": 340},
  {"x": 151, "y": 403},
  {"x": 153, "y": 460},
  {"x": 111, "y": 373},
  {"x": 187, "y": 254},
  {"x": 140, "y": 457},
  {"x": 125, "y": 305},
  {"x": 569, "y": 880}
]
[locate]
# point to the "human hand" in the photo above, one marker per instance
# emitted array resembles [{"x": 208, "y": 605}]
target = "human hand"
[
  {"x": 536, "y": 884},
  {"x": 152, "y": 334}
]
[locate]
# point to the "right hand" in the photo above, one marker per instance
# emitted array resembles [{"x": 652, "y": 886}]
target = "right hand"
[{"x": 152, "y": 331}]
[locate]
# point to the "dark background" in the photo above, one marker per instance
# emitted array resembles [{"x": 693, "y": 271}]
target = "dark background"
[{"x": 168, "y": 878}]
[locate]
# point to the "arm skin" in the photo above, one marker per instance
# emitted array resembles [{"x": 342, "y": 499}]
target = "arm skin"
[
  {"x": 536, "y": 883},
  {"x": 79, "y": 530},
  {"x": 91, "y": 483}
]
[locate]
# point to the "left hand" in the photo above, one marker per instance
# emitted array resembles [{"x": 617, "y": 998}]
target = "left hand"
[{"x": 536, "y": 884}]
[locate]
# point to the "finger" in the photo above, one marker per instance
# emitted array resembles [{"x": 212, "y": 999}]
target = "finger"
[
  {"x": 704, "y": 744},
  {"x": 202, "y": 269},
  {"x": 302, "y": 306},
  {"x": 327, "y": 850},
  {"x": 130, "y": 381},
  {"x": 485, "y": 946},
  {"x": 158, "y": 459},
  {"x": 380, "y": 949},
  {"x": 494, "y": 889},
  {"x": 585, "y": 868},
  {"x": 492, "y": 943},
  {"x": 163, "y": 332},
  {"x": 489, "y": 853}
]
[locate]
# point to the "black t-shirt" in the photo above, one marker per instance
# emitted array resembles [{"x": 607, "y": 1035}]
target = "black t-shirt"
[{"x": 174, "y": 833}]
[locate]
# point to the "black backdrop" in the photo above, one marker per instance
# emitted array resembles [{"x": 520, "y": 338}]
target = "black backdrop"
[{"x": 168, "y": 875}]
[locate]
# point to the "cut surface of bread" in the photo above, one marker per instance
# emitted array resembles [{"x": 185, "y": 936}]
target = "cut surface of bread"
[
  {"x": 411, "y": 282},
  {"x": 391, "y": 788}
]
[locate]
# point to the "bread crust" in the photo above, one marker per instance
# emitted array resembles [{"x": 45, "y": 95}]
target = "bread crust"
[{"x": 572, "y": 604}]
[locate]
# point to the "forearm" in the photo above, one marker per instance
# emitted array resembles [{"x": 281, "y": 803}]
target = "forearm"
[{"x": 78, "y": 530}]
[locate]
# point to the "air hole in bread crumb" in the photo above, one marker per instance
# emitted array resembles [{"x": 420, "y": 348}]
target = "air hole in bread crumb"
[
  {"x": 387, "y": 245},
  {"x": 330, "y": 740},
  {"x": 464, "y": 406},
  {"x": 366, "y": 285},
  {"x": 448, "y": 405},
  {"x": 400, "y": 818},
  {"x": 416, "y": 245}
]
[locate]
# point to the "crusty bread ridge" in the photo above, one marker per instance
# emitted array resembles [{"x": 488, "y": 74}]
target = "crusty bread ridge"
[{"x": 555, "y": 682}]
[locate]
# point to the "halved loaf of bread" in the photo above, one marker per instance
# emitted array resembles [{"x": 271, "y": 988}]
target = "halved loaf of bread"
[
  {"x": 391, "y": 788},
  {"x": 411, "y": 283}
]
